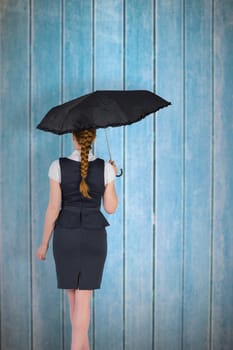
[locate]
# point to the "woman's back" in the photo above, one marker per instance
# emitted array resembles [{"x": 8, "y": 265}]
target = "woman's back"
[
  {"x": 70, "y": 179},
  {"x": 77, "y": 210},
  {"x": 78, "y": 226}
]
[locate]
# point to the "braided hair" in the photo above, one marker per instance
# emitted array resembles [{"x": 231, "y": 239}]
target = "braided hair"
[{"x": 84, "y": 138}]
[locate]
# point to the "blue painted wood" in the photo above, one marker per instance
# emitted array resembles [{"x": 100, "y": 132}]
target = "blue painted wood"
[
  {"x": 139, "y": 184},
  {"x": 15, "y": 200},
  {"x": 108, "y": 74},
  {"x": 197, "y": 175},
  {"x": 46, "y": 92},
  {"x": 168, "y": 165},
  {"x": 222, "y": 293},
  {"x": 167, "y": 282}
]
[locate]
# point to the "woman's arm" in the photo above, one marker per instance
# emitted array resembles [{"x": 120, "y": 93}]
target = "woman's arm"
[
  {"x": 110, "y": 201},
  {"x": 51, "y": 215}
]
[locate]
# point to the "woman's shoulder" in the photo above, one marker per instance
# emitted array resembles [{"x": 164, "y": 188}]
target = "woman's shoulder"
[
  {"x": 54, "y": 170},
  {"x": 108, "y": 165},
  {"x": 54, "y": 163},
  {"x": 105, "y": 162}
]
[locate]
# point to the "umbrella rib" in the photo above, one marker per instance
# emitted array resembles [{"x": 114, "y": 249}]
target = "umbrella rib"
[{"x": 71, "y": 108}]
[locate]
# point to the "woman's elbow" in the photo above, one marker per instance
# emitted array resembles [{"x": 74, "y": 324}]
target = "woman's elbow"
[
  {"x": 110, "y": 211},
  {"x": 112, "y": 207}
]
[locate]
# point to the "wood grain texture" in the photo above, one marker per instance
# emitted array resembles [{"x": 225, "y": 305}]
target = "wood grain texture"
[
  {"x": 45, "y": 92},
  {"x": 167, "y": 282},
  {"x": 221, "y": 307},
  {"x": 139, "y": 182},
  {"x": 169, "y": 192},
  {"x": 197, "y": 174},
  {"x": 15, "y": 182}
]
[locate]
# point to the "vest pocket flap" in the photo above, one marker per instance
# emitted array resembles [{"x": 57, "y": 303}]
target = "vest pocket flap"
[{"x": 94, "y": 219}]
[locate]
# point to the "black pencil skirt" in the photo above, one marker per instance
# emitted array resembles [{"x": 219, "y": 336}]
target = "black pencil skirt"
[{"x": 79, "y": 254}]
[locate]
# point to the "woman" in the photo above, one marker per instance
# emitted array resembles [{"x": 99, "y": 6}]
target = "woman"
[{"x": 77, "y": 185}]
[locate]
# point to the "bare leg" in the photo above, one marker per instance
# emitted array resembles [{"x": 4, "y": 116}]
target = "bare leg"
[
  {"x": 81, "y": 320},
  {"x": 71, "y": 297}
]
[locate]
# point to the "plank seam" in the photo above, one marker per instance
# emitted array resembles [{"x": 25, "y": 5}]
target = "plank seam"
[
  {"x": 154, "y": 243},
  {"x": 124, "y": 185},
  {"x": 1, "y": 196},
  {"x": 62, "y": 154},
  {"x": 183, "y": 26},
  {"x": 31, "y": 339},
  {"x": 93, "y": 87},
  {"x": 212, "y": 179}
]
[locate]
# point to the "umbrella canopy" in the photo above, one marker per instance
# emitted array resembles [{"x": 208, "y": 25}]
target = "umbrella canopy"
[{"x": 101, "y": 109}]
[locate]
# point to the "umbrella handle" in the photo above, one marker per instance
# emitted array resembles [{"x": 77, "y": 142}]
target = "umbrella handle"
[{"x": 121, "y": 173}]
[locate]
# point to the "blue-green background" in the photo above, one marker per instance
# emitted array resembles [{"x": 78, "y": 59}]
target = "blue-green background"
[{"x": 168, "y": 278}]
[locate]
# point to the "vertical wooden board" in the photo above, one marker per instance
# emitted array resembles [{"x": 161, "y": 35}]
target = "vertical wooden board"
[
  {"x": 168, "y": 176},
  {"x": 197, "y": 198},
  {"x": 139, "y": 182},
  {"x": 77, "y": 56},
  {"x": 77, "y": 80},
  {"x": 108, "y": 69},
  {"x": 15, "y": 240},
  {"x": 222, "y": 315},
  {"x": 46, "y": 60}
]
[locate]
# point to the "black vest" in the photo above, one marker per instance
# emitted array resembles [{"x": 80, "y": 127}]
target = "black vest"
[{"x": 77, "y": 210}]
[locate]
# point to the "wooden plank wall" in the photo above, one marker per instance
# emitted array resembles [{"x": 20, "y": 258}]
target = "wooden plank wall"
[{"x": 168, "y": 278}]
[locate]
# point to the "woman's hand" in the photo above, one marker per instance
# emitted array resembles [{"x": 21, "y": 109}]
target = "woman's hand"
[
  {"x": 41, "y": 251},
  {"x": 114, "y": 166},
  {"x": 51, "y": 215}
]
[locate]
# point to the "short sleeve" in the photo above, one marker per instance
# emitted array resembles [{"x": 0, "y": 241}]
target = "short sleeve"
[
  {"x": 109, "y": 173},
  {"x": 54, "y": 171}
]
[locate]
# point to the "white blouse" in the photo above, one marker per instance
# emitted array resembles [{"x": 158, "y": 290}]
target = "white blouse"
[{"x": 55, "y": 171}]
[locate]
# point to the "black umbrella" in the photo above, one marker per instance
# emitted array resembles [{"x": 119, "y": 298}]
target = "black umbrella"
[{"x": 101, "y": 109}]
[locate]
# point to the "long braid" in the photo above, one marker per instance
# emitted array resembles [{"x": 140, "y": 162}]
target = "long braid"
[{"x": 85, "y": 138}]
